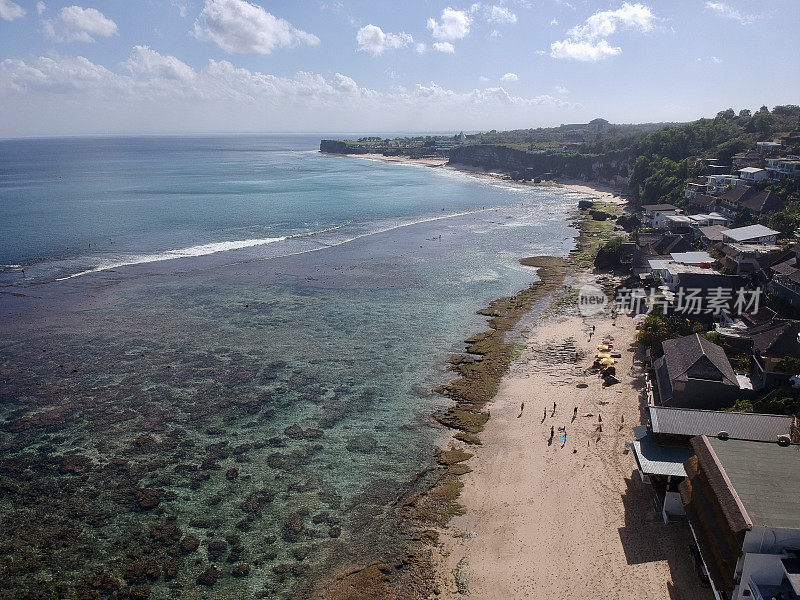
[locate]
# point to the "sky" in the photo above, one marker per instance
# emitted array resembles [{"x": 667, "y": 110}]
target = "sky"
[{"x": 372, "y": 66}]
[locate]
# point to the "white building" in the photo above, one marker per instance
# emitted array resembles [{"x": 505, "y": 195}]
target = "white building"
[
  {"x": 752, "y": 174},
  {"x": 752, "y": 234},
  {"x": 655, "y": 214},
  {"x": 780, "y": 168},
  {"x": 717, "y": 184}
]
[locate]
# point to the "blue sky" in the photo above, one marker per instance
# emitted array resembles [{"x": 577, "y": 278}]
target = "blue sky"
[{"x": 172, "y": 66}]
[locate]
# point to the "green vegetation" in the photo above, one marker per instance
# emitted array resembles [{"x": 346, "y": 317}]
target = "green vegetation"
[
  {"x": 782, "y": 401},
  {"x": 608, "y": 253},
  {"x": 657, "y": 328}
]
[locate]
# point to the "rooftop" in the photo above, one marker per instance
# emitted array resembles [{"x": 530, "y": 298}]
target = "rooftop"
[
  {"x": 748, "y": 233},
  {"x": 766, "y": 477},
  {"x": 659, "y": 207},
  {"x": 692, "y": 258},
  {"x": 681, "y": 355},
  {"x": 743, "y": 426},
  {"x": 713, "y": 232},
  {"x": 751, "y": 170},
  {"x": 653, "y": 459}
]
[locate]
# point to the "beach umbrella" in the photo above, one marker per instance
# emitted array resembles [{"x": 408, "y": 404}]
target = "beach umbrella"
[
  {"x": 603, "y": 355},
  {"x": 607, "y": 361},
  {"x": 603, "y": 347}
]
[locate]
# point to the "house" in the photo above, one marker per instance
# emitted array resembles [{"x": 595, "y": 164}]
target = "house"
[
  {"x": 785, "y": 280},
  {"x": 749, "y": 158},
  {"x": 669, "y": 272},
  {"x": 655, "y": 214},
  {"x": 661, "y": 449},
  {"x": 712, "y": 218},
  {"x": 781, "y": 168},
  {"x": 716, "y": 184},
  {"x": 768, "y": 147},
  {"x": 695, "y": 373},
  {"x": 711, "y": 234},
  {"x": 695, "y": 187},
  {"x": 742, "y": 501},
  {"x": 707, "y": 281},
  {"x": 678, "y": 223},
  {"x": 752, "y": 174},
  {"x": 752, "y": 234},
  {"x": 655, "y": 245},
  {"x": 773, "y": 342},
  {"x": 745, "y": 259}
]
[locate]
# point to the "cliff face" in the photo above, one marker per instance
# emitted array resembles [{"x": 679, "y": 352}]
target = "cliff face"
[
  {"x": 611, "y": 167},
  {"x": 340, "y": 147}
]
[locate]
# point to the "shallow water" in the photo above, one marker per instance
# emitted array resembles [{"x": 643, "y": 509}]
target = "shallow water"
[{"x": 274, "y": 399}]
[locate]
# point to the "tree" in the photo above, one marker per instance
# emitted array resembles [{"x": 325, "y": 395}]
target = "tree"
[{"x": 745, "y": 113}]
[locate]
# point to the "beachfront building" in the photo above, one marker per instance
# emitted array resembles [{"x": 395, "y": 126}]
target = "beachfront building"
[
  {"x": 785, "y": 281},
  {"x": 752, "y": 234},
  {"x": 744, "y": 259},
  {"x": 655, "y": 214},
  {"x": 661, "y": 449},
  {"x": 696, "y": 373},
  {"x": 742, "y": 500}
]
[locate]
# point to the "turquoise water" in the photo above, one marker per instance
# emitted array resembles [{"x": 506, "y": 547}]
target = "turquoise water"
[{"x": 266, "y": 388}]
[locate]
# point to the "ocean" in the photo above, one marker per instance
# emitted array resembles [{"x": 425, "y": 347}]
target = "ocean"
[{"x": 221, "y": 350}]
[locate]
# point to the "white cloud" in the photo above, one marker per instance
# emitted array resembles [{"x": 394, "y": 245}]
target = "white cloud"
[
  {"x": 445, "y": 47},
  {"x": 602, "y": 24},
  {"x": 41, "y": 7},
  {"x": 421, "y": 48},
  {"x": 454, "y": 25},
  {"x": 561, "y": 90},
  {"x": 483, "y": 79},
  {"x": 154, "y": 92},
  {"x": 587, "y": 41},
  {"x": 727, "y": 11},
  {"x": 237, "y": 26},
  {"x": 500, "y": 14},
  {"x": 509, "y": 77},
  {"x": 372, "y": 39},
  {"x": 716, "y": 60},
  {"x": 182, "y": 6},
  {"x": 583, "y": 51},
  {"x": 10, "y": 10},
  {"x": 148, "y": 63},
  {"x": 553, "y": 22},
  {"x": 78, "y": 24}
]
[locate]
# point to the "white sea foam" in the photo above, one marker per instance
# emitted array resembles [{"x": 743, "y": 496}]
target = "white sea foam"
[{"x": 201, "y": 250}]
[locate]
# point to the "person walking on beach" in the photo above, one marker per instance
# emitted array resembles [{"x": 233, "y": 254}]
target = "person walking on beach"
[
  {"x": 521, "y": 408},
  {"x": 544, "y": 416},
  {"x": 554, "y": 409},
  {"x": 574, "y": 413}
]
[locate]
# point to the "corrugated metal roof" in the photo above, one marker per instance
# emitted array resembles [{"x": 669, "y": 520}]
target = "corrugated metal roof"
[
  {"x": 749, "y": 232},
  {"x": 741, "y": 426},
  {"x": 766, "y": 478},
  {"x": 660, "y": 460}
]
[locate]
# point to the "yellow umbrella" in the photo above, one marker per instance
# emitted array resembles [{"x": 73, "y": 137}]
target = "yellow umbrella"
[
  {"x": 607, "y": 361},
  {"x": 604, "y": 347},
  {"x": 603, "y": 355}
]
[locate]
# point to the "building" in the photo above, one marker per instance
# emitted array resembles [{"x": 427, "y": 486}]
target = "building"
[
  {"x": 785, "y": 280},
  {"x": 717, "y": 184},
  {"x": 752, "y": 234},
  {"x": 697, "y": 258},
  {"x": 773, "y": 342},
  {"x": 746, "y": 259},
  {"x": 742, "y": 500},
  {"x": 695, "y": 373},
  {"x": 661, "y": 449},
  {"x": 655, "y": 214},
  {"x": 752, "y": 174},
  {"x": 712, "y": 234},
  {"x": 654, "y": 246},
  {"x": 693, "y": 188},
  {"x": 768, "y": 147},
  {"x": 781, "y": 168},
  {"x": 749, "y": 158}
]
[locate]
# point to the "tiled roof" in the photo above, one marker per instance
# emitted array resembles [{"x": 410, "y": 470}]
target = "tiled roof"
[
  {"x": 682, "y": 354},
  {"x": 743, "y": 426}
]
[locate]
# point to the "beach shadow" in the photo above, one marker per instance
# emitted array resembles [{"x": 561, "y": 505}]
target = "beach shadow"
[{"x": 646, "y": 538}]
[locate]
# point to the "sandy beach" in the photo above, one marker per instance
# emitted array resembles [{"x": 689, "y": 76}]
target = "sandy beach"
[
  {"x": 595, "y": 189},
  {"x": 564, "y": 520}
]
